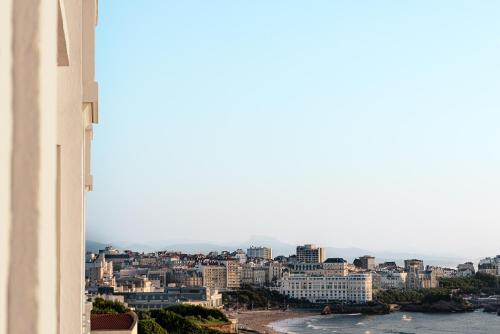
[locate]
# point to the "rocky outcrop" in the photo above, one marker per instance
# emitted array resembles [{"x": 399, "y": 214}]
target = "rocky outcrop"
[
  {"x": 439, "y": 307},
  {"x": 375, "y": 308}
]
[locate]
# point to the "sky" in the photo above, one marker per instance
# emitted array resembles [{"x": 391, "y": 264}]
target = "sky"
[{"x": 341, "y": 123}]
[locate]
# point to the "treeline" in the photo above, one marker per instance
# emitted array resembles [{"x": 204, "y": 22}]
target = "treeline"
[
  {"x": 175, "y": 319},
  {"x": 398, "y": 296},
  {"x": 479, "y": 284},
  {"x": 424, "y": 296},
  {"x": 181, "y": 319},
  {"x": 249, "y": 297}
]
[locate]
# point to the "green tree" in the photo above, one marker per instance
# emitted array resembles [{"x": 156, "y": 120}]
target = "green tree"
[
  {"x": 150, "y": 326},
  {"x": 101, "y": 306}
]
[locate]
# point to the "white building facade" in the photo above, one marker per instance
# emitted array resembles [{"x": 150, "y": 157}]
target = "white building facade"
[
  {"x": 260, "y": 252},
  {"x": 354, "y": 288}
]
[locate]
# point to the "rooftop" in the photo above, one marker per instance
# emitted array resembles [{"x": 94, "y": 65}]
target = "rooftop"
[{"x": 122, "y": 321}]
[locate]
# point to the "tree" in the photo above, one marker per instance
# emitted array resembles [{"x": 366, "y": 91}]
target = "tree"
[
  {"x": 101, "y": 306},
  {"x": 150, "y": 326},
  {"x": 357, "y": 263}
]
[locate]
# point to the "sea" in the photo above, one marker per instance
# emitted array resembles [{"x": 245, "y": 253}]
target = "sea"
[{"x": 477, "y": 322}]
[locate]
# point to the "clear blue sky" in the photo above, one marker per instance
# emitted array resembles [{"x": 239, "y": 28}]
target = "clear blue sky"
[{"x": 341, "y": 123}]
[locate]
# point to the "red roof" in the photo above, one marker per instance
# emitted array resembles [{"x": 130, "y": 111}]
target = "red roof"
[{"x": 113, "y": 321}]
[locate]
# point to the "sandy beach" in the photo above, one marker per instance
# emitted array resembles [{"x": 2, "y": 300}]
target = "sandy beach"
[{"x": 257, "y": 321}]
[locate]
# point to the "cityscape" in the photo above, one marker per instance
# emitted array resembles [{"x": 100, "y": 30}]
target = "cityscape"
[
  {"x": 148, "y": 281},
  {"x": 326, "y": 123}
]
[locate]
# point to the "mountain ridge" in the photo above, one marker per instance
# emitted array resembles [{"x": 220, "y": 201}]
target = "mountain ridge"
[{"x": 278, "y": 247}]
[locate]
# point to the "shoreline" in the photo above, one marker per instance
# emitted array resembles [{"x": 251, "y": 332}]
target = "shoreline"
[
  {"x": 259, "y": 322},
  {"x": 400, "y": 319}
]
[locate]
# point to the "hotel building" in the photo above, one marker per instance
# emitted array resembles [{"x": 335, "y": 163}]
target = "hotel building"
[{"x": 355, "y": 288}]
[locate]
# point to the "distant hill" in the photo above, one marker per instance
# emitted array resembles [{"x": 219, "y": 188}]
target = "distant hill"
[
  {"x": 279, "y": 248},
  {"x": 94, "y": 246}
]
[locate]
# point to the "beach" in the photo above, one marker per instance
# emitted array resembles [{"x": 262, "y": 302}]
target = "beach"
[{"x": 258, "y": 321}]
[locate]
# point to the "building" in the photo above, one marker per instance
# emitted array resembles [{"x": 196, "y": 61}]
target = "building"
[
  {"x": 414, "y": 269},
  {"x": 354, "y": 288},
  {"x": 367, "y": 262},
  {"x": 414, "y": 264},
  {"x": 252, "y": 274},
  {"x": 392, "y": 279},
  {"x": 125, "y": 323},
  {"x": 276, "y": 270},
  {"x": 331, "y": 267},
  {"x": 214, "y": 277},
  {"x": 442, "y": 271},
  {"x": 157, "y": 277},
  {"x": 428, "y": 279},
  {"x": 48, "y": 105},
  {"x": 310, "y": 254},
  {"x": 119, "y": 260},
  {"x": 134, "y": 284},
  {"x": 304, "y": 268},
  {"x": 335, "y": 267},
  {"x": 489, "y": 265},
  {"x": 174, "y": 295},
  {"x": 186, "y": 277},
  {"x": 241, "y": 256},
  {"x": 99, "y": 272},
  {"x": 466, "y": 269},
  {"x": 389, "y": 265},
  {"x": 233, "y": 272},
  {"x": 260, "y": 252}
]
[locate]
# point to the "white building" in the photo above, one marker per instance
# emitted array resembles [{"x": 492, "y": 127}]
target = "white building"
[
  {"x": 355, "y": 288},
  {"x": 260, "y": 252},
  {"x": 392, "y": 279},
  {"x": 99, "y": 271}
]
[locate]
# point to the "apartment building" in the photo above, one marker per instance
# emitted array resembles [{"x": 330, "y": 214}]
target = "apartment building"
[
  {"x": 367, "y": 262},
  {"x": 252, "y": 274},
  {"x": 233, "y": 272},
  {"x": 355, "y": 288},
  {"x": 260, "y": 252},
  {"x": 48, "y": 104},
  {"x": 310, "y": 254},
  {"x": 187, "y": 277},
  {"x": 214, "y": 277}
]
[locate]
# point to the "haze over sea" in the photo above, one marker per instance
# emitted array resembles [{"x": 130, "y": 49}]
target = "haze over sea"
[{"x": 398, "y": 322}]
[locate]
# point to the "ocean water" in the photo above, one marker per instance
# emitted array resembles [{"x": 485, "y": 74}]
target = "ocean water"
[{"x": 395, "y": 323}]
